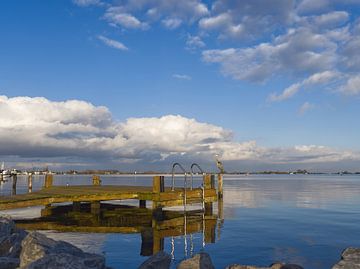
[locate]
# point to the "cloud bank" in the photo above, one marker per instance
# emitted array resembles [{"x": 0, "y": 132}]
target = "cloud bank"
[{"x": 75, "y": 129}]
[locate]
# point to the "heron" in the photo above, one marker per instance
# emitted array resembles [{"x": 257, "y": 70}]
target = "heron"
[{"x": 219, "y": 164}]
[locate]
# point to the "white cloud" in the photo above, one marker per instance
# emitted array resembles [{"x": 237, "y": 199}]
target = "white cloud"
[
  {"x": 305, "y": 108},
  {"x": 117, "y": 16},
  {"x": 315, "y": 79},
  {"x": 181, "y": 76},
  {"x": 40, "y": 128},
  {"x": 352, "y": 86},
  {"x": 112, "y": 43},
  {"x": 85, "y": 3},
  {"x": 134, "y": 14},
  {"x": 172, "y": 23}
]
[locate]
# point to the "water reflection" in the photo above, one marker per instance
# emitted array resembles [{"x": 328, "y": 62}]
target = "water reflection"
[{"x": 152, "y": 226}]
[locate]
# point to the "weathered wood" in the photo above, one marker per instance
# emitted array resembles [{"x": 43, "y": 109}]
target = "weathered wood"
[
  {"x": 158, "y": 184},
  {"x": 220, "y": 186},
  {"x": 96, "y": 180},
  {"x": 207, "y": 181},
  {"x": 48, "y": 181},
  {"x": 95, "y": 207},
  {"x": 208, "y": 209},
  {"x": 61, "y": 194},
  {"x": 30, "y": 183}
]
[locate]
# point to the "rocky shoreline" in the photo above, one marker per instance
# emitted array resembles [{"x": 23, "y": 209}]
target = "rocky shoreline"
[{"x": 32, "y": 250}]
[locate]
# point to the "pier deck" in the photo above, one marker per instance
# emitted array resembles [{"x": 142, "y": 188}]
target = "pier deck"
[{"x": 159, "y": 195}]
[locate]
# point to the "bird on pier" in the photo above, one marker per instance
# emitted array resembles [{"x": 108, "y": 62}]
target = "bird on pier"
[{"x": 219, "y": 164}]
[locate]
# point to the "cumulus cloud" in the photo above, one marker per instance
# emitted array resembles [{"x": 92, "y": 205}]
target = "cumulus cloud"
[
  {"x": 298, "y": 51},
  {"x": 247, "y": 19},
  {"x": 133, "y": 14},
  {"x": 77, "y": 130},
  {"x": 112, "y": 43}
]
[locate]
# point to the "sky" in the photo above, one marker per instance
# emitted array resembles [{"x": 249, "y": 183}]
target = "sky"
[{"x": 140, "y": 84}]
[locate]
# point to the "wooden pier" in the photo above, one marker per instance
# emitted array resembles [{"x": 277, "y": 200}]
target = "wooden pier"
[{"x": 158, "y": 194}]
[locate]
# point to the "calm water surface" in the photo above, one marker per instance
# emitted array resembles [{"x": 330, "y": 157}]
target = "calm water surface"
[{"x": 303, "y": 219}]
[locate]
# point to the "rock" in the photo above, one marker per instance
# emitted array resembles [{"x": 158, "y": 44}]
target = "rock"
[
  {"x": 160, "y": 260},
  {"x": 199, "y": 261},
  {"x": 350, "y": 259},
  {"x": 10, "y": 238},
  {"x": 291, "y": 266},
  {"x": 273, "y": 266},
  {"x": 41, "y": 252},
  {"x": 9, "y": 263}
]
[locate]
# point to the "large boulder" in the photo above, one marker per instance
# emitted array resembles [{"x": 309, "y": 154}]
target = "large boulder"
[
  {"x": 41, "y": 252},
  {"x": 199, "y": 261},
  {"x": 10, "y": 243},
  {"x": 160, "y": 260},
  {"x": 350, "y": 259}
]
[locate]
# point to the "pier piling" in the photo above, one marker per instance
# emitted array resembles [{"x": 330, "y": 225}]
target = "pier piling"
[
  {"x": 30, "y": 183},
  {"x": 14, "y": 182},
  {"x": 96, "y": 180},
  {"x": 48, "y": 181},
  {"x": 220, "y": 186}
]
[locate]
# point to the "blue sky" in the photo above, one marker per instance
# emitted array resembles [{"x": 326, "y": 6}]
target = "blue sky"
[{"x": 282, "y": 75}]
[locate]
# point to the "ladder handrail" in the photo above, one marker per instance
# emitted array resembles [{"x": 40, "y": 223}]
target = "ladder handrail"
[
  {"x": 173, "y": 175},
  {"x": 192, "y": 173}
]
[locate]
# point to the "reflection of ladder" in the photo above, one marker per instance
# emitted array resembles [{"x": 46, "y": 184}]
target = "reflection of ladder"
[{"x": 185, "y": 217}]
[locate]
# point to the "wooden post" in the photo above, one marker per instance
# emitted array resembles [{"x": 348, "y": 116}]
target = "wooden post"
[
  {"x": 208, "y": 179},
  {"x": 158, "y": 184},
  {"x": 95, "y": 207},
  {"x": 30, "y": 183},
  {"x": 220, "y": 186},
  {"x": 210, "y": 231},
  {"x": 48, "y": 181},
  {"x": 96, "y": 180},
  {"x": 158, "y": 242},
  {"x": 1, "y": 176},
  {"x": 14, "y": 182},
  {"x": 142, "y": 203},
  {"x": 46, "y": 211}
]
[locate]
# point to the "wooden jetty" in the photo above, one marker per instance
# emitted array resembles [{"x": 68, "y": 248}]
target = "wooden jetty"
[{"x": 158, "y": 194}]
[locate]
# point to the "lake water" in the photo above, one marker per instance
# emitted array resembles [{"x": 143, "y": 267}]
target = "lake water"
[{"x": 302, "y": 219}]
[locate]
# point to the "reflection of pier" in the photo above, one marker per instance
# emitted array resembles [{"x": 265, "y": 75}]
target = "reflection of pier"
[{"x": 153, "y": 225}]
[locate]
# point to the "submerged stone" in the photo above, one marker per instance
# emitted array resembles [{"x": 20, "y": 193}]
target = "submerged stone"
[
  {"x": 160, "y": 260},
  {"x": 199, "y": 261}
]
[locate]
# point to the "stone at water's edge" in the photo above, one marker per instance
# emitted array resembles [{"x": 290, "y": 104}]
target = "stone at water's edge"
[
  {"x": 10, "y": 243},
  {"x": 160, "y": 260},
  {"x": 350, "y": 259},
  {"x": 199, "y": 261},
  {"x": 273, "y": 266},
  {"x": 41, "y": 252}
]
